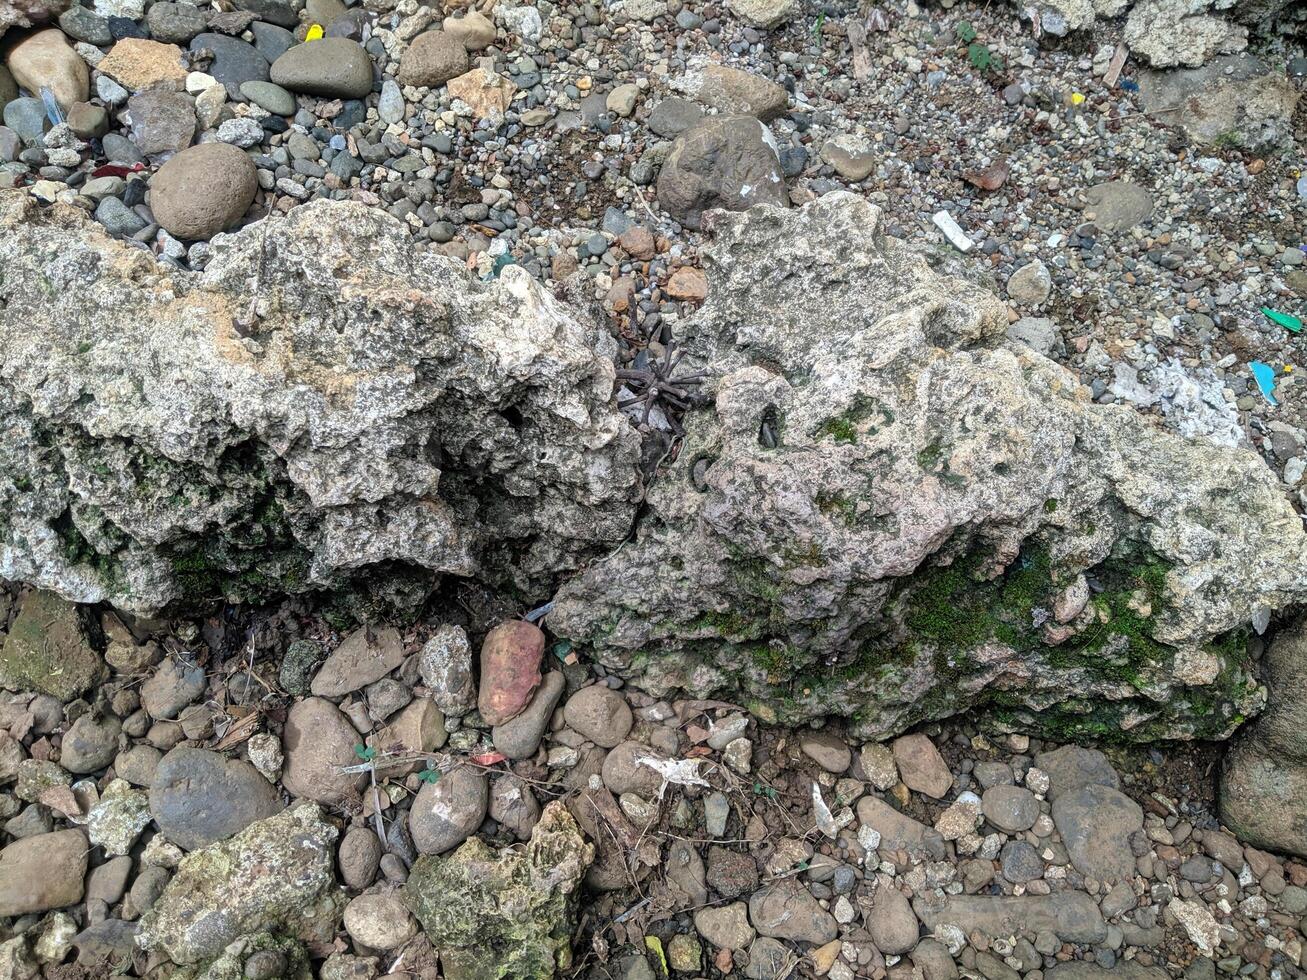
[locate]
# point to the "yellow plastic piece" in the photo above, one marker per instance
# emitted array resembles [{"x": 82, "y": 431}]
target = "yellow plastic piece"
[{"x": 315, "y": 32}]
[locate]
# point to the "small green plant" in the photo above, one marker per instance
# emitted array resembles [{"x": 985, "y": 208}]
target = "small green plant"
[
  {"x": 818, "y": 24},
  {"x": 367, "y": 754},
  {"x": 768, "y": 791},
  {"x": 430, "y": 775},
  {"x": 980, "y": 55}
]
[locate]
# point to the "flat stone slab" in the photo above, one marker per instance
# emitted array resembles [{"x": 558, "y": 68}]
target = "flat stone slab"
[{"x": 1071, "y": 916}]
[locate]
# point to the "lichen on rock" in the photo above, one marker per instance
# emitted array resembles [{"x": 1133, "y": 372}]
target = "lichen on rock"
[
  {"x": 504, "y": 914},
  {"x": 320, "y": 404},
  {"x": 893, "y": 514},
  {"x": 276, "y": 876}
]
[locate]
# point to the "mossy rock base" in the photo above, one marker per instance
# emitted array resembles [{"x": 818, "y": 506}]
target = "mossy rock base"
[
  {"x": 47, "y": 650},
  {"x": 504, "y": 915}
]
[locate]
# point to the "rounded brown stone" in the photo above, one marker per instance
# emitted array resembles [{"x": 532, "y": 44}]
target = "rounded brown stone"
[
  {"x": 203, "y": 190},
  {"x": 432, "y": 59}
]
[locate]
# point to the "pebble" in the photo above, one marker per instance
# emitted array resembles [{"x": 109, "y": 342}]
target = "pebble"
[
  {"x": 510, "y": 670},
  {"x": 44, "y": 59},
  {"x": 42, "y": 872},
  {"x": 266, "y": 95},
  {"x": 316, "y": 742},
  {"x": 891, "y": 922},
  {"x": 432, "y": 59},
  {"x": 519, "y": 737},
  {"x": 363, "y": 657},
  {"x": 921, "y": 767},
  {"x": 379, "y": 920},
  {"x": 600, "y": 714},
  {"x": 358, "y": 857},
  {"x": 1012, "y": 809}
]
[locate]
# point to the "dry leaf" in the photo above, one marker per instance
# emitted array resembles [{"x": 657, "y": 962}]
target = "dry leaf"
[{"x": 992, "y": 177}]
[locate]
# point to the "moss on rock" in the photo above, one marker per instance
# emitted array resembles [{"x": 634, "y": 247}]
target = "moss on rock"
[
  {"x": 508, "y": 914},
  {"x": 47, "y": 650}
]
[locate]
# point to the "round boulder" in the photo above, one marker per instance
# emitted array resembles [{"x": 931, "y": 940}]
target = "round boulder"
[{"x": 203, "y": 190}]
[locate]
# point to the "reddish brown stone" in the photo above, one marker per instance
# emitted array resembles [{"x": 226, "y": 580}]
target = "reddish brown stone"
[
  {"x": 510, "y": 670},
  {"x": 687, "y": 283}
]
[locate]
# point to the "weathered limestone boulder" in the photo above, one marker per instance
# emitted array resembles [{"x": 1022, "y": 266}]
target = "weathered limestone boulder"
[
  {"x": 359, "y": 412},
  {"x": 276, "y": 875},
  {"x": 1167, "y": 33},
  {"x": 1264, "y": 778},
  {"x": 892, "y": 514},
  {"x": 26, "y": 13},
  {"x": 504, "y": 915}
]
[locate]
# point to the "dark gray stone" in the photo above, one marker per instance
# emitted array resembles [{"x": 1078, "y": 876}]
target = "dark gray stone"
[{"x": 199, "y": 797}]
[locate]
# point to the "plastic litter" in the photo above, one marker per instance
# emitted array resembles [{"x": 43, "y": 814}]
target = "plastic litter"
[
  {"x": 953, "y": 231},
  {"x": 314, "y": 32},
  {"x": 682, "y": 772},
  {"x": 1264, "y": 375},
  {"x": 51, "y": 107},
  {"x": 655, "y": 946},
  {"x": 1286, "y": 320}
]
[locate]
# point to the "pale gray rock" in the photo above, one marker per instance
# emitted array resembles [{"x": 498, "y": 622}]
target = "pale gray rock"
[
  {"x": 928, "y": 483},
  {"x": 1182, "y": 32},
  {"x": 445, "y": 663},
  {"x": 389, "y": 415},
  {"x": 26, "y": 13},
  {"x": 764, "y": 13}
]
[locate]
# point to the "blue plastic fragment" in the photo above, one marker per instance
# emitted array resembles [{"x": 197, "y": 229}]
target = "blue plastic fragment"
[
  {"x": 1264, "y": 375},
  {"x": 1129, "y": 86},
  {"x": 51, "y": 107}
]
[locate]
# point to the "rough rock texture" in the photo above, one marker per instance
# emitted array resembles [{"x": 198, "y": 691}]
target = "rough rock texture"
[
  {"x": 26, "y": 13},
  {"x": 276, "y": 875},
  {"x": 1234, "y": 101},
  {"x": 884, "y": 508},
  {"x": 46, "y": 650},
  {"x": 381, "y": 415},
  {"x": 504, "y": 915},
  {"x": 1264, "y": 781},
  {"x": 1172, "y": 32},
  {"x": 725, "y": 162},
  {"x": 1182, "y": 32}
]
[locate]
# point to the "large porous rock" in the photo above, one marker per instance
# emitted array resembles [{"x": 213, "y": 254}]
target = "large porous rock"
[
  {"x": 1264, "y": 778},
  {"x": 1172, "y": 32},
  {"x": 276, "y": 875},
  {"x": 1182, "y": 32},
  {"x": 504, "y": 914},
  {"x": 323, "y": 406},
  {"x": 26, "y": 13},
  {"x": 889, "y": 513},
  {"x": 1235, "y": 101}
]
